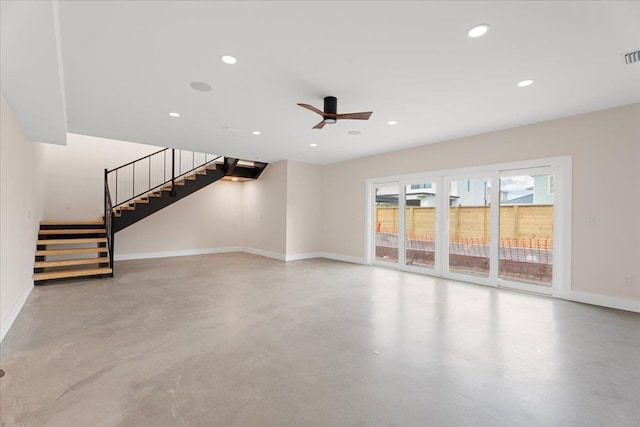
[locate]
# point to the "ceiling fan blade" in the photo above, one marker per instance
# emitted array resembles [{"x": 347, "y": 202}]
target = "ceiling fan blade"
[
  {"x": 355, "y": 116},
  {"x": 319, "y": 125},
  {"x": 312, "y": 108}
]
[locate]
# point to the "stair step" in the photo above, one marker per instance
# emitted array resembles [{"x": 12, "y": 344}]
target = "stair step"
[
  {"x": 142, "y": 201},
  {"x": 90, "y": 222},
  {"x": 190, "y": 177},
  {"x": 126, "y": 208},
  {"x": 158, "y": 194},
  {"x": 66, "y": 262},
  {"x": 72, "y": 241},
  {"x": 70, "y": 251},
  {"x": 201, "y": 172},
  {"x": 71, "y": 273},
  {"x": 74, "y": 231}
]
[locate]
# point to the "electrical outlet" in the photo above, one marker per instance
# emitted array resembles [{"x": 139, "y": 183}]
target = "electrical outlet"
[
  {"x": 627, "y": 281},
  {"x": 592, "y": 220}
]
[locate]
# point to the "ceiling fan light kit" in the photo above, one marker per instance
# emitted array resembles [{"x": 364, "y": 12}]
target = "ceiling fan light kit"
[{"x": 330, "y": 114}]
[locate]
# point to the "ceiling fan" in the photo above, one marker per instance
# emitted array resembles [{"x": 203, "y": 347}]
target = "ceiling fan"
[{"x": 330, "y": 114}]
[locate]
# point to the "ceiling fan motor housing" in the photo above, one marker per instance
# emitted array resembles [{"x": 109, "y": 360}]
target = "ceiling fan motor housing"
[{"x": 330, "y": 106}]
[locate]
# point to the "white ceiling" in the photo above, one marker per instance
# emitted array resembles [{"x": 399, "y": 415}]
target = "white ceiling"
[{"x": 128, "y": 64}]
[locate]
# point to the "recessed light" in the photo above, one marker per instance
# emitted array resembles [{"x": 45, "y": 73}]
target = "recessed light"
[
  {"x": 256, "y": 132},
  {"x": 354, "y": 132},
  {"x": 313, "y": 145},
  {"x": 392, "y": 122},
  {"x": 525, "y": 83},
  {"x": 173, "y": 114},
  {"x": 478, "y": 31},
  {"x": 234, "y": 179},
  {"x": 228, "y": 59},
  {"x": 201, "y": 86}
]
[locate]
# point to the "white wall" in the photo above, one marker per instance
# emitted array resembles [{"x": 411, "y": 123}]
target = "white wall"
[
  {"x": 206, "y": 221},
  {"x": 20, "y": 213},
  {"x": 264, "y": 212},
  {"x": 304, "y": 209},
  {"x": 605, "y": 148},
  {"x": 209, "y": 220},
  {"x": 74, "y": 174}
]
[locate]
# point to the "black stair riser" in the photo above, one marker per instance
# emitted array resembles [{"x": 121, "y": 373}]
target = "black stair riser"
[
  {"x": 71, "y": 226},
  {"x": 70, "y": 236}
]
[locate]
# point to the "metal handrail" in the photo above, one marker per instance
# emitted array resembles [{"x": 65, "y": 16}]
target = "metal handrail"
[
  {"x": 137, "y": 160},
  {"x": 154, "y": 167}
]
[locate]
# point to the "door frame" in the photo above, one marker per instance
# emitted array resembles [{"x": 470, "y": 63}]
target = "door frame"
[{"x": 561, "y": 167}]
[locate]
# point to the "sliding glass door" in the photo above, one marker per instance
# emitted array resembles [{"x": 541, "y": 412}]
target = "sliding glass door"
[
  {"x": 420, "y": 230},
  {"x": 387, "y": 222},
  {"x": 501, "y": 225},
  {"x": 527, "y": 199},
  {"x": 469, "y": 225}
]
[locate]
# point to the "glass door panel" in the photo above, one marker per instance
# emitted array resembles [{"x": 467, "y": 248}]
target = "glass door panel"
[
  {"x": 386, "y": 222},
  {"x": 420, "y": 224},
  {"x": 526, "y": 228},
  {"x": 469, "y": 226}
]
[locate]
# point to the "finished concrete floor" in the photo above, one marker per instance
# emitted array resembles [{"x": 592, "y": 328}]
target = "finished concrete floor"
[{"x": 241, "y": 340}]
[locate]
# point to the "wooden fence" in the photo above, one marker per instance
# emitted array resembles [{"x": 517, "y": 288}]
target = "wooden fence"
[{"x": 517, "y": 222}]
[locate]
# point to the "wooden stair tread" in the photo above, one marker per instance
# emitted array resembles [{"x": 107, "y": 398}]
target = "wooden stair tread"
[
  {"x": 72, "y": 241},
  {"x": 70, "y": 251},
  {"x": 74, "y": 231},
  {"x": 141, "y": 201},
  {"x": 71, "y": 273},
  {"x": 66, "y": 262},
  {"x": 89, "y": 222}
]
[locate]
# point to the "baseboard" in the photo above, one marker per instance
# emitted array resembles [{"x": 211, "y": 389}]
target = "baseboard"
[
  {"x": 185, "y": 252},
  {"x": 268, "y": 254},
  {"x": 296, "y": 257},
  {"x": 340, "y": 257},
  {"x": 603, "y": 300},
  {"x": 15, "y": 310}
]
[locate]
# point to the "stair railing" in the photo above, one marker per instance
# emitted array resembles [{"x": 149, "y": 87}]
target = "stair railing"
[
  {"x": 108, "y": 220},
  {"x": 151, "y": 172},
  {"x": 144, "y": 175}
]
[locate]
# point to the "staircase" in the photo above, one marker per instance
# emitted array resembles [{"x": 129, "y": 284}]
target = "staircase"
[
  {"x": 132, "y": 192},
  {"x": 71, "y": 249}
]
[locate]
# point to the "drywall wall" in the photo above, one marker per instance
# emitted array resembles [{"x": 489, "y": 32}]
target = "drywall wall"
[
  {"x": 74, "y": 174},
  {"x": 264, "y": 212},
  {"x": 20, "y": 213},
  {"x": 605, "y": 149},
  {"x": 209, "y": 220},
  {"x": 304, "y": 209}
]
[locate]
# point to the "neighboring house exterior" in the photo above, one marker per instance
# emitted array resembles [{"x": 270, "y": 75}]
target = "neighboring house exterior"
[{"x": 470, "y": 192}]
